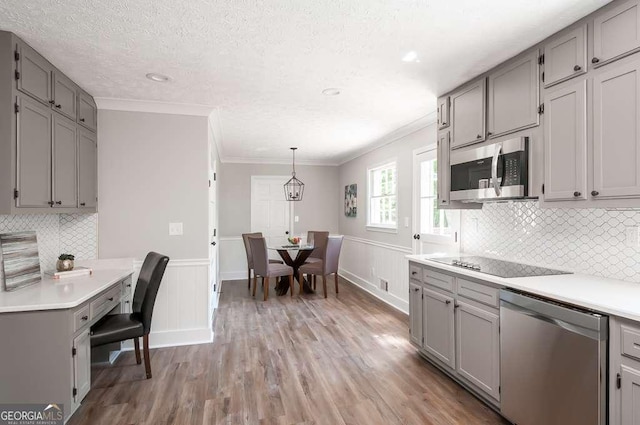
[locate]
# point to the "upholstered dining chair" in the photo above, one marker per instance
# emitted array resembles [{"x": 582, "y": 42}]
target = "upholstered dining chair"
[
  {"x": 326, "y": 267},
  {"x": 121, "y": 327},
  {"x": 247, "y": 248},
  {"x": 319, "y": 239},
  {"x": 263, "y": 268}
]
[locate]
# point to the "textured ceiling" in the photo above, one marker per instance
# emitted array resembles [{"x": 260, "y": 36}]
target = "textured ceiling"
[{"x": 263, "y": 64}]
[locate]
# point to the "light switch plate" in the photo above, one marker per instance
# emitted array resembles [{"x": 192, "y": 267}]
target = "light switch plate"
[
  {"x": 175, "y": 229},
  {"x": 296, "y": 218}
]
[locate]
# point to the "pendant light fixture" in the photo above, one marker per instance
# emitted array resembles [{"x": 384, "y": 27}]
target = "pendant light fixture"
[{"x": 294, "y": 188}]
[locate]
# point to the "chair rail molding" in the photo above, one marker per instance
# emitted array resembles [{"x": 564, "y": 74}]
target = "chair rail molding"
[
  {"x": 181, "y": 313},
  {"x": 367, "y": 263}
]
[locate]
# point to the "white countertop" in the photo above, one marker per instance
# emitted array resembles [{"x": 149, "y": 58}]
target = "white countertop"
[
  {"x": 55, "y": 294},
  {"x": 609, "y": 296}
]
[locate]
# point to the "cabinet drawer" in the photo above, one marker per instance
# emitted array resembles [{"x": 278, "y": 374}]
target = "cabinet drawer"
[
  {"x": 126, "y": 288},
  {"x": 630, "y": 341},
  {"x": 104, "y": 301},
  {"x": 439, "y": 280},
  {"x": 478, "y": 292},
  {"x": 80, "y": 318},
  {"x": 415, "y": 272}
]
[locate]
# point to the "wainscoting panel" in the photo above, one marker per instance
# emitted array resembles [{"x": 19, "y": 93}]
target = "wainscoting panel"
[
  {"x": 365, "y": 263},
  {"x": 181, "y": 313}
]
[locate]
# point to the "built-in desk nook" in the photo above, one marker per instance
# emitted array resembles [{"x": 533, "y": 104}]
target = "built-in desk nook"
[{"x": 46, "y": 349}]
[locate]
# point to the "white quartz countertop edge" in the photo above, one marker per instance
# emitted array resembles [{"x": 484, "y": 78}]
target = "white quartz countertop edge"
[
  {"x": 608, "y": 296},
  {"x": 61, "y": 294}
]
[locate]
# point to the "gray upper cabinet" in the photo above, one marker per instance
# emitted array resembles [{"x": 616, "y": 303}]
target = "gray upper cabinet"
[
  {"x": 616, "y": 32},
  {"x": 65, "y": 180},
  {"x": 65, "y": 96},
  {"x": 438, "y": 326},
  {"x": 514, "y": 96},
  {"x": 33, "y": 73},
  {"x": 478, "y": 348},
  {"x": 565, "y": 56},
  {"x": 443, "y": 112},
  {"x": 565, "y": 143},
  {"x": 468, "y": 114},
  {"x": 33, "y": 123},
  {"x": 415, "y": 313},
  {"x": 616, "y": 135},
  {"x": 87, "y": 111},
  {"x": 87, "y": 169},
  {"x": 444, "y": 170}
]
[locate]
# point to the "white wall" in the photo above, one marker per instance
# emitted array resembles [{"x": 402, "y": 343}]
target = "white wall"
[
  {"x": 369, "y": 256},
  {"x": 153, "y": 170},
  {"x": 317, "y": 210}
]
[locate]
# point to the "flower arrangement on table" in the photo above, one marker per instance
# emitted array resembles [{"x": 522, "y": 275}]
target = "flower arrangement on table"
[{"x": 294, "y": 240}]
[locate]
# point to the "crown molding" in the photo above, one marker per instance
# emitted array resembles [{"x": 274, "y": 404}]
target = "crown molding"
[
  {"x": 131, "y": 105},
  {"x": 274, "y": 161},
  {"x": 391, "y": 137}
]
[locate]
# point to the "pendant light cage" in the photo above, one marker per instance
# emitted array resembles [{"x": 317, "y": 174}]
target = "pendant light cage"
[{"x": 293, "y": 188}]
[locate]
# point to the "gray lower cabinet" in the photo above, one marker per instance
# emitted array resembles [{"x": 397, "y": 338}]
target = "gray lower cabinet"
[
  {"x": 33, "y": 142},
  {"x": 65, "y": 96},
  {"x": 514, "y": 96},
  {"x": 33, "y": 73},
  {"x": 81, "y": 366},
  {"x": 415, "y": 313},
  {"x": 478, "y": 347},
  {"x": 87, "y": 169},
  {"x": 630, "y": 396},
  {"x": 565, "y": 143},
  {"x": 624, "y": 372},
  {"x": 65, "y": 170},
  {"x": 565, "y": 56},
  {"x": 616, "y": 32},
  {"x": 438, "y": 326},
  {"x": 468, "y": 117},
  {"x": 616, "y": 138}
]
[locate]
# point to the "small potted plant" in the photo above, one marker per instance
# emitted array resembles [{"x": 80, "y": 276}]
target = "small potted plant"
[{"x": 65, "y": 262}]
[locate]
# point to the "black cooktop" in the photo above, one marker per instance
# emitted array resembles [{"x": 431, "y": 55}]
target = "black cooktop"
[{"x": 498, "y": 268}]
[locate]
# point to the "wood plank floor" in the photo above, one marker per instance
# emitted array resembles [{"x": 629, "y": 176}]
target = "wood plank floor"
[{"x": 301, "y": 360}]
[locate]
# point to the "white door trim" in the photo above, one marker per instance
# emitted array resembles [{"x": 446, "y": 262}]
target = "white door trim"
[{"x": 416, "y": 194}]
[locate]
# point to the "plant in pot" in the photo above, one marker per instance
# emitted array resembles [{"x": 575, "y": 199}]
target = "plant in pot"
[{"x": 65, "y": 262}]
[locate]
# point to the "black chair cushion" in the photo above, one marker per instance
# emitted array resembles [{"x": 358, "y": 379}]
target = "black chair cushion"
[{"x": 116, "y": 327}]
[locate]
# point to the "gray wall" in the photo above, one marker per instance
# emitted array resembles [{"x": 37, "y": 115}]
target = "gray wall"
[
  {"x": 318, "y": 209},
  {"x": 355, "y": 171},
  {"x": 152, "y": 170}
]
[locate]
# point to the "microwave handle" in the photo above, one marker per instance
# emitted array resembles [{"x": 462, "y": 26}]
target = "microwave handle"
[{"x": 494, "y": 169}]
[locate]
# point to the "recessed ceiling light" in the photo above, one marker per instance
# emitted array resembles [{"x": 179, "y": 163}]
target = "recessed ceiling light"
[
  {"x": 331, "y": 92},
  {"x": 158, "y": 78},
  {"x": 410, "y": 57}
]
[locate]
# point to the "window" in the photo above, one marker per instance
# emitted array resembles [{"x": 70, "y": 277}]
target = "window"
[
  {"x": 383, "y": 205},
  {"x": 435, "y": 225}
]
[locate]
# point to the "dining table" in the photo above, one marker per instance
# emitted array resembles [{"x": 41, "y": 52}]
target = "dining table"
[{"x": 294, "y": 256}]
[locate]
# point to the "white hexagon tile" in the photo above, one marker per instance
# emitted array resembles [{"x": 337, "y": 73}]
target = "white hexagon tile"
[
  {"x": 72, "y": 233},
  {"x": 589, "y": 241}
]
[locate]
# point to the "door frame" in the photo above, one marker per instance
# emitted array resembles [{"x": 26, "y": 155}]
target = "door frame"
[{"x": 291, "y": 206}]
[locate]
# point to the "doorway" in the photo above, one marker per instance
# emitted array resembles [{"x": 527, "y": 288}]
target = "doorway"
[{"x": 271, "y": 213}]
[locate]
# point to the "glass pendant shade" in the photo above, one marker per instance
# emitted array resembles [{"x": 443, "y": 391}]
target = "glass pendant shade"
[{"x": 294, "y": 188}]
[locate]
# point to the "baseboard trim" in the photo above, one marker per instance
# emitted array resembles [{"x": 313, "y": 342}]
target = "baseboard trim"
[
  {"x": 175, "y": 338},
  {"x": 395, "y": 302},
  {"x": 234, "y": 275}
]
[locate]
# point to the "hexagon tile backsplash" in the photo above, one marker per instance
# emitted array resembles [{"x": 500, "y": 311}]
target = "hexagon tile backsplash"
[
  {"x": 72, "y": 233},
  {"x": 589, "y": 241}
]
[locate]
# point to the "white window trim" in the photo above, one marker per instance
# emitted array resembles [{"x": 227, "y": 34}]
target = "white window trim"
[{"x": 381, "y": 227}]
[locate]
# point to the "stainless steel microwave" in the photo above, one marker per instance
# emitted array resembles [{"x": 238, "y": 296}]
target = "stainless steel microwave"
[{"x": 491, "y": 172}]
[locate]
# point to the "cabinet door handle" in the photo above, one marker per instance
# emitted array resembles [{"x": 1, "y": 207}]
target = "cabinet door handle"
[
  {"x": 82, "y": 204},
  {"x": 126, "y": 302},
  {"x": 577, "y": 194},
  {"x": 577, "y": 68},
  {"x": 58, "y": 202},
  {"x": 128, "y": 285},
  {"x": 478, "y": 137},
  {"x": 84, "y": 318},
  {"x": 489, "y": 134},
  {"x": 58, "y": 106},
  {"x": 447, "y": 302},
  {"x": 53, "y": 102},
  {"x": 81, "y": 119},
  {"x": 51, "y": 203},
  {"x": 414, "y": 273},
  {"x": 595, "y": 193},
  {"x": 595, "y": 60},
  {"x": 416, "y": 289},
  {"x": 110, "y": 299}
]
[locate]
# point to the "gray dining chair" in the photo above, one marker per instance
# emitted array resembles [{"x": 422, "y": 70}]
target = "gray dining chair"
[
  {"x": 326, "y": 267},
  {"x": 247, "y": 248},
  {"x": 263, "y": 268},
  {"x": 319, "y": 239}
]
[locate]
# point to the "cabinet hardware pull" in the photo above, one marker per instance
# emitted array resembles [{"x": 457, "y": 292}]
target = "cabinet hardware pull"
[
  {"x": 489, "y": 134},
  {"x": 447, "y": 302},
  {"x": 58, "y": 106},
  {"x": 595, "y": 193},
  {"x": 59, "y": 203},
  {"x": 50, "y": 203},
  {"x": 82, "y": 204},
  {"x": 595, "y": 60},
  {"x": 111, "y": 299},
  {"x": 576, "y": 194},
  {"x": 414, "y": 273},
  {"x": 478, "y": 137},
  {"x": 126, "y": 302},
  {"x": 416, "y": 289},
  {"x": 85, "y": 318},
  {"x": 52, "y": 102},
  {"x": 129, "y": 285},
  {"x": 81, "y": 119},
  {"x": 577, "y": 68}
]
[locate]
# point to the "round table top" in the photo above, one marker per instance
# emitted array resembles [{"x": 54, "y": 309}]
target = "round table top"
[{"x": 303, "y": 247}]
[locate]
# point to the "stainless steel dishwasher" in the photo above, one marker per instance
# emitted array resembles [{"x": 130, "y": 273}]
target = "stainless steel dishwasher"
[{"x": 553, "y": 362}]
